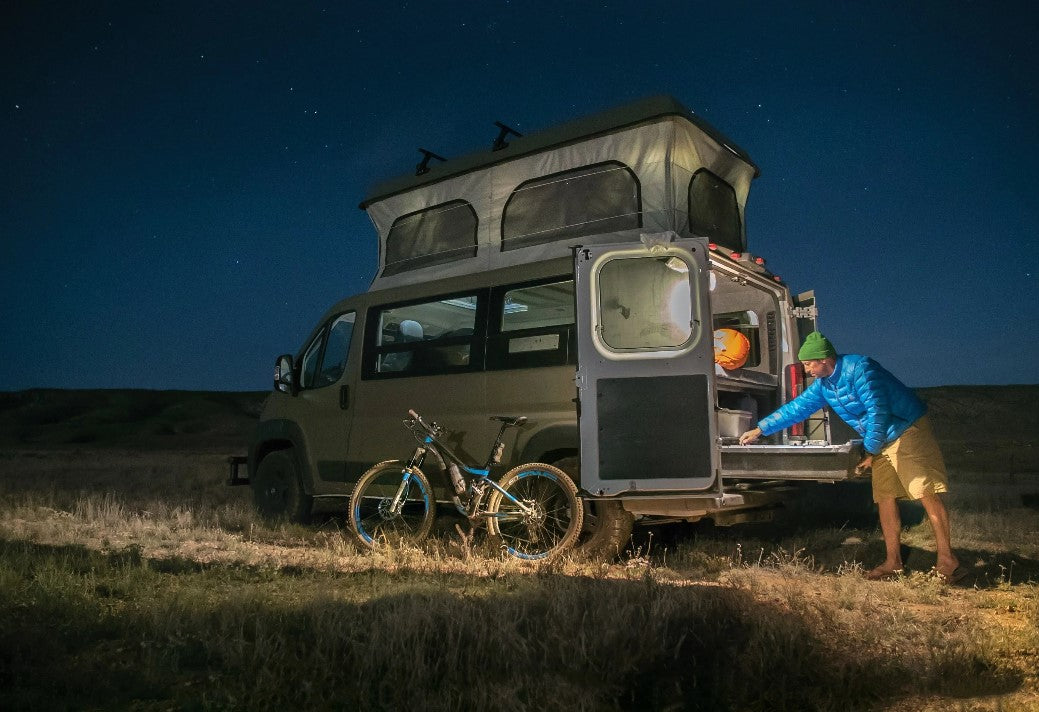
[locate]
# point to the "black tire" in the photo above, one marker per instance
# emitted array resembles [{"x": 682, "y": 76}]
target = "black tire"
[
  {"x": 278, "y": 491},
  {"x": 607, "y": 525},
  {"x": 557, "y": 514},
  {"x": 370, "y": 518}
]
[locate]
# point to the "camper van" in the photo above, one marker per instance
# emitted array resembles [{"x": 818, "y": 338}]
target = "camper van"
[{"x": 579, "y": 277}]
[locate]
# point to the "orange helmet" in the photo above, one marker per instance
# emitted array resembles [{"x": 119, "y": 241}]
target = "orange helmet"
[{"x": 731, "y": 348}]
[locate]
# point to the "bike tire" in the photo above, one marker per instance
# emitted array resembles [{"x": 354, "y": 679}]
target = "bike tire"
[
  {"x": 369, "y": 518},
  {"x": 556, "y": 521}
]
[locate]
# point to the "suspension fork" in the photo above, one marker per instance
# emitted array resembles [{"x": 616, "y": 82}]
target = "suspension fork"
[{"x": 415, "y": 461}]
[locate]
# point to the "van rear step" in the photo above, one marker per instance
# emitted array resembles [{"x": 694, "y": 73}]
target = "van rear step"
[
  {"x": 724, "y": 506},
  {"x": 235, "y": 476},
  {"x": 822, "y": 463}
]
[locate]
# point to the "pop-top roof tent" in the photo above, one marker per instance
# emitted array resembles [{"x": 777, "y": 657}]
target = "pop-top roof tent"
[{"x": 649, "y": 166}]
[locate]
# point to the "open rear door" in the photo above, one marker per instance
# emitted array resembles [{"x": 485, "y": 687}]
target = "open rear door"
[{"x": 645, "y": 367}]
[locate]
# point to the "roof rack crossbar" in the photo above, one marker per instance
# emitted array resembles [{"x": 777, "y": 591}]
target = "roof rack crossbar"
[
  {"x": 423, "y": 167},
  {"x": 500, "y": 142}
]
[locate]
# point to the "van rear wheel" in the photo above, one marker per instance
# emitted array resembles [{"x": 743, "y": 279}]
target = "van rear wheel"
[
  {"x": 607, "y": 525},
  {"x": 278, "y": 491}
]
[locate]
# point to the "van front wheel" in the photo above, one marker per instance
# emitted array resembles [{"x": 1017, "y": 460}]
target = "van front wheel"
[
  {"x": 277, "y": 489},
  {"x": 607, "y": 525}
]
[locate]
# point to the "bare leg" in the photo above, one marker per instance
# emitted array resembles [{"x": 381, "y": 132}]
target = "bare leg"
[
  {"x": 938, "y": 516},
  {"x": 891, "y": 526}
]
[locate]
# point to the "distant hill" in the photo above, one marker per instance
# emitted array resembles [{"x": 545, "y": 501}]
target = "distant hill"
[
  {"x": 128, "y": 418},
  {"x": 981, "y": 427},
  {"x": 986, "y": 427}
]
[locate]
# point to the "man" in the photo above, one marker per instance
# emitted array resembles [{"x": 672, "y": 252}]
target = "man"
[{"x": 900, "y": 446}]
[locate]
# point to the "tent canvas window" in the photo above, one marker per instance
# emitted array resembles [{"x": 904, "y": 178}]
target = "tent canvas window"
[
  {"x": 714, "y": 211},
  {"x": 604, "y": 197},
  {"x": 432, "y": 236}
]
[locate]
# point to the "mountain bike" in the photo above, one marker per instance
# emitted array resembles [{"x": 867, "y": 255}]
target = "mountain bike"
[{"x": 533, "y": 508}]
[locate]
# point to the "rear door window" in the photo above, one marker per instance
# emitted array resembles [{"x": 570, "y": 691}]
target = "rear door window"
[{"x": 645, "y": 304}]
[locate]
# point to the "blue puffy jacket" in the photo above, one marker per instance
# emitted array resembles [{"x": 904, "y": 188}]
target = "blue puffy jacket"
[{"x": 864, "y": 394}]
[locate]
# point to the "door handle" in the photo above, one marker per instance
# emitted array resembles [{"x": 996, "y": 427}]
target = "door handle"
[{"x": 344, "y": 397}]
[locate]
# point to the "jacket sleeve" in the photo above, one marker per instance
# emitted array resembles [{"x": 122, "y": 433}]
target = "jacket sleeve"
[
  {"x": 869, "y": 387},
  {"x": 795, "y": 411}
]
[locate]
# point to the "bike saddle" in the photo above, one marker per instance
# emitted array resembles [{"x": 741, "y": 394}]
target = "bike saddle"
[{"x": 509, "y": 420}]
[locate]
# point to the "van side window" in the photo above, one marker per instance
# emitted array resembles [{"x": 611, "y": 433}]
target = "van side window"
[
  {"x": 533, "y": 326},
  {"x": 325, "y": 358},
  {"x": 714, "y": 211},
  {"x": 425, "y": 338},
  {"x": 311, "y": 360},
  {"x": 432, "y": 236},
  {"x": 598, "y": 198}
]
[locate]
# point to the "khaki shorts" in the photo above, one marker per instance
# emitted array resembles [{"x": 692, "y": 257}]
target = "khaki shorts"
[{"x": 911, "y": 467}]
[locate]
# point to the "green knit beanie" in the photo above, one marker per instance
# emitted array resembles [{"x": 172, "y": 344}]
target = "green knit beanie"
[{"x": 816, "y": 347}]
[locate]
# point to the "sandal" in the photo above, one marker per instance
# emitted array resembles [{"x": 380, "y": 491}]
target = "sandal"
[
  {"x": 957, "y": 575},
  {"x": 879, "y": 574}
]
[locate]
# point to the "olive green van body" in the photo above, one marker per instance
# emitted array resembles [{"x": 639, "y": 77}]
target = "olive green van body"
[{"x": 576, "y": 277}]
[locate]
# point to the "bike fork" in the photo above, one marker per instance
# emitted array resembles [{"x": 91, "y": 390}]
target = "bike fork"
[
  {"x": 416, "y": 460},
  {"x": 398, "y": 498}
]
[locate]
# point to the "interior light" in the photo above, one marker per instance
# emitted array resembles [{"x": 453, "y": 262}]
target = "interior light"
[
  {"x": 463, "y": 302},
  {"x": 510, "y": 306}
]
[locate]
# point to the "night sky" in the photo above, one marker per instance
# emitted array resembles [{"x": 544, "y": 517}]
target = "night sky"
[{"x": 180, "y": 180}]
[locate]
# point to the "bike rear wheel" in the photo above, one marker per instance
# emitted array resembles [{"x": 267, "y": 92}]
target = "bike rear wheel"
[
  {"x": 373, "y": 516},
  {"x": 553, "y": 520}
]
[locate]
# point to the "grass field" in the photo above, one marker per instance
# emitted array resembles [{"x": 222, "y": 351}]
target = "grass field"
[
  {"x": 138, "y": 581},
  {"x": 134, "y": 579}
]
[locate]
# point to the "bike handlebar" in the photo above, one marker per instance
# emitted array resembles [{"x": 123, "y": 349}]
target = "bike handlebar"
[{"x": 430, "y": 428}]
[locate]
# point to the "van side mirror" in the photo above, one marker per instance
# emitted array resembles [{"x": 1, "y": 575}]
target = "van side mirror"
[{"x": 285, "y": 376}]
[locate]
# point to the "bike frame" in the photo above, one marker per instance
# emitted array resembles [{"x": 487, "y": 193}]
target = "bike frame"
[{"x": 482, "y": 474}]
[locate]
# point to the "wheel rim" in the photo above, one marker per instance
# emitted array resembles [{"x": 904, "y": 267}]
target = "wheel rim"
[
  {"x": 533, "y": 535},
  {"x": 277, "y": 492},
  {"x": 377, "y": 523},
  {"x": 274, "y": 494}
]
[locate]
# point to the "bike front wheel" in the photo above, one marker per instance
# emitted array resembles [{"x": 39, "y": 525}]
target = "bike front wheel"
[
  {"x": 392, "y": 505},
  {"x": 539, "y": 515}
]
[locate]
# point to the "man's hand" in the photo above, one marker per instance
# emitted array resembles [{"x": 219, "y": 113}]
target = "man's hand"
[
  {"x": 866, "y": 464},
  {"x": 750, "y": 436}
]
